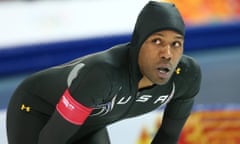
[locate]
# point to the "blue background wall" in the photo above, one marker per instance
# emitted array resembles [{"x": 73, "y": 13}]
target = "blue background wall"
[{"x": 29, "y": 58}]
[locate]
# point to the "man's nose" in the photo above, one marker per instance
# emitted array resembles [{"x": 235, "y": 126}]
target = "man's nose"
[{"x": 166, "y": 52}]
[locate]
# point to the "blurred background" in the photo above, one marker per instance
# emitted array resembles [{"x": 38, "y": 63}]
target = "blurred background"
[{"x": 37, "y": 34}]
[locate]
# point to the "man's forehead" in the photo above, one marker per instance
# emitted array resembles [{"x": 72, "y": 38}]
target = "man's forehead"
[{"x": 161, "y": 33}]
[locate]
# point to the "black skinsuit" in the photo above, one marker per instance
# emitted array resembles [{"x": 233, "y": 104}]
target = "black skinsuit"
[{"x": 105, "y": 83}]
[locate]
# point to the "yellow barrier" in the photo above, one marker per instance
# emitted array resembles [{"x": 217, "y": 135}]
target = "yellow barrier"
[{"x": 203, "y": 127}]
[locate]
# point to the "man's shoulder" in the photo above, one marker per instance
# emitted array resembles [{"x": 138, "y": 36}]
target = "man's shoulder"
[
  {"x": 189, "y": 61},
  {"x": 188, "y": 71},
  {"x": 188, "y": 76},
  {"x": 113, "y": 57},
  {"x": 189, "y": 65}
]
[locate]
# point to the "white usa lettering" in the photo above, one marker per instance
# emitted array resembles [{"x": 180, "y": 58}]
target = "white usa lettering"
[
  {"x": 161, "y": 99},
  {"x": 123, "y": 100},
  {"x": 145, "y": 98}
]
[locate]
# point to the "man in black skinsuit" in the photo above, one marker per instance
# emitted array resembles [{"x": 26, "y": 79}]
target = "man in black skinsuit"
[{"x": 74, "y": 102}]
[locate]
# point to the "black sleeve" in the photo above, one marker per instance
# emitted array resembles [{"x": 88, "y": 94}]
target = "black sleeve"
[
  {"x": 178, "y": 110},
  {"x": 57, "y": 130},
  {"x": 87, "y": 86},
  {"x": 175, "y": 116}
]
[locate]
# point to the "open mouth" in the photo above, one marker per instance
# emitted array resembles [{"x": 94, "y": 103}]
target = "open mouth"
[{"x": 163, "y": 70}]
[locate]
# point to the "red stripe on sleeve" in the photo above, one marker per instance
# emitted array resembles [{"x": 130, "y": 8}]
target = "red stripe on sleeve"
[{"x": 71, "y": 110}]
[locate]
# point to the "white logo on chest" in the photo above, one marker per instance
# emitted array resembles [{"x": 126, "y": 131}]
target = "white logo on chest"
[{"x": 145, "y": 98}]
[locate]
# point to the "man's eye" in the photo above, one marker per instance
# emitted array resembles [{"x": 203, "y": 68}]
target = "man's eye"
[
  {"x": 157, "y": 41},
  {"x": 177, "y": 44}
]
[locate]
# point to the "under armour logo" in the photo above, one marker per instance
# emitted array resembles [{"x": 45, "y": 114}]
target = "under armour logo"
[
  {"x": 25, "y": 108},
  {"x": 178, "y": 70}
]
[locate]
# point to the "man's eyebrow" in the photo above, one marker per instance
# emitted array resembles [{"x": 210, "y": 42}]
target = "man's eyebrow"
[
  {"x": 180, "y": 37},
  {"x": 159, "y": 34}
]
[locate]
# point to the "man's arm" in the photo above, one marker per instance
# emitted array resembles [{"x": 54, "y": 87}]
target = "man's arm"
[
  {"x": 57, "y": 130},
  {"x": 175, "y": 116},
  {"x": 75, "y": 104},
  {"x": 68, "y": 117}
]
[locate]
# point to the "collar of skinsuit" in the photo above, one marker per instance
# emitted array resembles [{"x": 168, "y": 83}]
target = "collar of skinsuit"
[{"x": 155, "y": 16}]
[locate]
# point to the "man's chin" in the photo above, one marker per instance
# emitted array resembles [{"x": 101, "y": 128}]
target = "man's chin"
[{"x": 162, "y": 81}]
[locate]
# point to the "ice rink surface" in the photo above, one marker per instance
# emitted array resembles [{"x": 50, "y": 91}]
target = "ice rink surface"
[{"x": 3, "y": 137}]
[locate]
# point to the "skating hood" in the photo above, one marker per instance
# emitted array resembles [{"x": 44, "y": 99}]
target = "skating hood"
[{"x": 155, "y": 16}]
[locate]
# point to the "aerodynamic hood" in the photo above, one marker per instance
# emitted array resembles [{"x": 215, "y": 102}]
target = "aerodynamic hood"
[{"x": 155, "y": 16}]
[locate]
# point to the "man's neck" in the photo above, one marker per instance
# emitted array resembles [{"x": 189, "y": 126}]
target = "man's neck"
[{"x": 144, "y": 82}]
